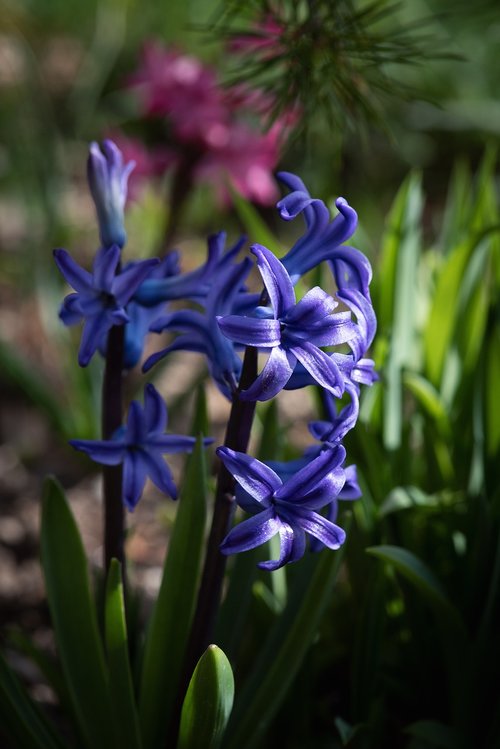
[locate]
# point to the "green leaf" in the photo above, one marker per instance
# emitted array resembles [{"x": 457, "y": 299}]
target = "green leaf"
[
  {"x": 414, "y": 570},
  {"x": 208, "y": 702},
  {"x": 253, "y": 224},
  {"x": 428, "y": 398},
  {"x": 74, "y": 619},
  {"x": 20, "y": 718},
  {"x": 492, "y": 412},
  {"x": 170, "y": 621},
  {"x": 397, "y": 298},
  {"x": 404, "y": 497},
  {"x": 435, "y": 734},
  {"x": 122, "y": 691},
  {"x": 282, "y": 653}
]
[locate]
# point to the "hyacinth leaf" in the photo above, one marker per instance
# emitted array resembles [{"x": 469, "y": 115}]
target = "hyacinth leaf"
[
  {"x": 458, "y": 206},
  {"x": 397, "y": 298},
  {"x": 492, "y": 412},
  {"x": 429, "y": 399},
  {"x": 421, "y": 576},
  {"x": 283, "y": 653},
  {"x": 434, "y": 734},
  {"x": 74, "y": 619},
  {"x": 254, "y": 226},
  {"x": 20, "y": 718},
  {"x": 208, "y": 702},
  {"x": 169, "y": 625},
  {"x": 122, "y": 690},
  {"x": 474, "y": 304}
]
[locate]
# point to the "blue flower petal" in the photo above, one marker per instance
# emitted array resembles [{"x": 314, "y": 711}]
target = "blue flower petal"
[
  {"x": 276, "y": 280},
  {"x": 155, "y": 410},
  {"x": 274, "y": 376},
  {"x": 105, "y": 452},
  {"x": 76, "y": 276},
  {"x": 255, "y": 477},
  {"x": 135, "y": 472},
  {"x": 322, "y": 367},
  {"x": 251, "y": 331},
  {"x": 251, "y": 533}
]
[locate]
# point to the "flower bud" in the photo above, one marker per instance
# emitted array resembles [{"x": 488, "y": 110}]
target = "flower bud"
[{"x": 107, "y": 178}]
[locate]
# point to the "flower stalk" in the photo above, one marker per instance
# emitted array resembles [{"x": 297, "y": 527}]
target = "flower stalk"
[{"x": 112, "y": 406}]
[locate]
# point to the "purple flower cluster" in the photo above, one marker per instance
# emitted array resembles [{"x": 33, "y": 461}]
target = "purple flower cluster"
[{"x": 319, "y": 339}]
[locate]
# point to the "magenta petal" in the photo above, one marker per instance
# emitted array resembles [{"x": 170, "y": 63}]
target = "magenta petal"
[
  {"x": 251, "y": 331},
  {"x": 255, "y": 477},
  {"x": 251, "y": 533},
  {"x": 277, "y": 371},
  {"x": 276, "y": 280}
]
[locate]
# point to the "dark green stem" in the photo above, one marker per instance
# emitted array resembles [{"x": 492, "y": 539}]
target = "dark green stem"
[
  {"x": 237, "y": 436},
  {"x": 112, "y": 405}
]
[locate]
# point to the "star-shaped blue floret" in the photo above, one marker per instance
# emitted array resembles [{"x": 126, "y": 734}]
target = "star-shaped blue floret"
[
  {"x": 101, "y": 296},
  {"x": 285, "y": 507},
  {"x": 140, "y": 446},
  {"x": 293, "y": 332}
]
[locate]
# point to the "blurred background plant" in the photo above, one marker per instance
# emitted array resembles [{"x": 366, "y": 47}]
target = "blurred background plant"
[{"x": 389, "y": 117}]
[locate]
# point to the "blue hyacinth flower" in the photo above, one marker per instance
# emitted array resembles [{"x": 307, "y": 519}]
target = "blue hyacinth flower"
[
  {"x": 200, "y": 332},
  {"x": 293, "y": 332},
  {"x": 101, "y": 296},
  {"x": 323, "y": 239},
  {"x": 108, "y": 179},
  {"x": 196, "y": 284},
  {"x": 288, "y": 508},
  {"x": 140, "y": 446},
  {"x": 141, "y": 318}
]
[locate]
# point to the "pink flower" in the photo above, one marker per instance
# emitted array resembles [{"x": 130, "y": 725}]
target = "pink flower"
[
  {"x": 247, "y": 161},
  {"x": 262, "y": 41},
  {"x": 177, "y": 86}
]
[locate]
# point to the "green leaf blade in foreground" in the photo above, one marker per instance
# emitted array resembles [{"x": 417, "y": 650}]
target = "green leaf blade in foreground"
[
  {"x": 122, "y": 692},
  {"x": 169, "y": 626},
  {"x": 208, "y": 702},
  {"x": 282, "y": 655},
  {"x": 74, "y": 619}
]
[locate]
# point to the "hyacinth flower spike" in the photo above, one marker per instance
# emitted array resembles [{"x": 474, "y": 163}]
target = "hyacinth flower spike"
[
  {"x": 101, "y": 296},
  {"x": 334, "y": 428},
  {"x": 200, "y": 332},
  {"x": 288, "y": 508},
  {"x": 140, "y": 446},
  {"x": 108, "y": 180},
  {"x": 293, "y": 332},
  {"x": 323, "y": 238}
]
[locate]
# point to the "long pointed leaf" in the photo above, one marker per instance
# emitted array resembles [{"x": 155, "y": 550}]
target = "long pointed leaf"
[
  {"x": 122, "y": 692},
  {"x": 74, "y": 619},
  {"x": 169, "y": 626}
]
